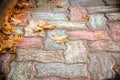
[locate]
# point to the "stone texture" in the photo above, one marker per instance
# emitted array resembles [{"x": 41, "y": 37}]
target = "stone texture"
[
  {"x": 112, "y": 2},
  {"x": 77, "y": 12},
  {"x": 97, "y": 22},
  {"x": 49, "y": 16},
  {"x": 61, "y": 70},
  {"x": 51, "y": 44},
  {"x": 69, "y": 25},
  {"x": 45, "y": 7},
  {"x": 19, "y": 30},
  {"x": 76, "y": 52},
  {"x": 102, "y": 9},
  {"x": 113, "y": 16},
  {"x": 87, "y": 35},
  {"x": 5, "y": 60},
  {"x": 87, "y": 2},
  {"x": 34, "y": 42},
  {"x": 29, "y": 29},
  {"x": 20, "y": 71},
  {"x": 39, "y": 55},
  {"x": 115, "y": 30},
  {"x": 116, "y": 57},
  {"x": 54, "y": 7},
  {"x": 104, "y": 46},
  {"x": 100, "y": 66},
  {"x": 58, "y": 78}
]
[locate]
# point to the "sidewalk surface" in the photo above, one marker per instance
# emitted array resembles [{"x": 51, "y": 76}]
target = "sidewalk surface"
[{"x": 93, "y": 49}]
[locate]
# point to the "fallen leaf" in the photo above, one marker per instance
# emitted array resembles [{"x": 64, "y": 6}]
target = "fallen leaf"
[
  {"x": 59, "y": 5},
  {"x": 85, "y": 16},
  {"x": 59, "y": 39},
  {"x": 98, "y": 35},
  {"x": 53, "y": 1}
]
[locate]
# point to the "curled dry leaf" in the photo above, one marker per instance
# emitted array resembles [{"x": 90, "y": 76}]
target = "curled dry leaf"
[
  {"x": 98, "y": 35},
  {"x": 59, "y": 39},
  {"x": 59, "y": 4},
  {"x": 85, "y": 16}
]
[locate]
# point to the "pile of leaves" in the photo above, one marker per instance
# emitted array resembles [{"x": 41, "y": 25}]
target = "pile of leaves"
[{"x": 8, "y": 38}]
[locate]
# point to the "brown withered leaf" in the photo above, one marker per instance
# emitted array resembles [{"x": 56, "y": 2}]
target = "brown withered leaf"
[
  {"x": 59, "y": 39},
  {"x": 59, "y": 4}
]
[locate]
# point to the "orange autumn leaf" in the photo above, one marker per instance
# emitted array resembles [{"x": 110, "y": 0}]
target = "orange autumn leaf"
[
  {"x": 53, "y": 1},
  {"x": 60, "y": 39},
  {"x": 98, "y": 35},
  {"x": 85, "y": 16},
  {"x": 59, "y": 4}
]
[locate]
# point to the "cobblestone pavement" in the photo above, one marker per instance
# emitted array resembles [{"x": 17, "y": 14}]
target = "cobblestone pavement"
[{"x": 93, "y": 49}]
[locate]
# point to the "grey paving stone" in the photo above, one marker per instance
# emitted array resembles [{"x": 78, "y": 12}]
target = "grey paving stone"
[
  {"x": 97, "y": 22},
  {"x": 87, "y": 2},
  {"x": 112, "y": 2},
  {"x": 102, "y": 9},
  {"x": 54, "y": 7},
  {"x": 33, "y": 54},
  {"x": 19, "y": 30},
  {"x": 69, "y": 25},
  {"x": 113, "y": 16},
  {"x": 76, "y": 52},
  {"x": 49, "y": 16},
  {"x": 100, "y": 66},
  {"x": 61, "y": 70},
  {"x": 51, "y": 44},
  {"x": 20, "y": 71}
]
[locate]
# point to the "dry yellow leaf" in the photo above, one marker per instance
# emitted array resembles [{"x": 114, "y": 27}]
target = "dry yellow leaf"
[
  {"x": 59, "y": 39},
  {"x": 59, "y": 4},
  {"x": 98, "y": 35},
  {"x": 85, "y": 16}
]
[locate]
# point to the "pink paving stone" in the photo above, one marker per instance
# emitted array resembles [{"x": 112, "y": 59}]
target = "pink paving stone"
[
  {"x": 87, "y": 35},
  {"x": 77, "y": 12},
  {"x": 31, "y": 42},
  {"x": 115, "y": 30},
  {"x": 104, "y": 45}
]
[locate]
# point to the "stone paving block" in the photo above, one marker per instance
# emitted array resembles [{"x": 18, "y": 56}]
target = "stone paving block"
[
  {"x": 29, "y": 29},
  {"x": 19, "y": 30},
  {"x": 100, "y": 66},
  {"x": 59, "y": 78},
  {"x": 54, "y": 7},
  {"x": 97, "y": 22},
  {"x": 113, "y": 16},
  {"x": 50, "y": 44},
  {"x": 77, "y": 12},
  {"x": 20, "y": 71},
  {"x": 87, "y": 2},
  {"x": 39, "y": 55},
  {"x": 76, "y": 52},
  {"x": 116, "y": 57},
  {"x": 49, "y": 16},
  {"x": 61, "y": 70},
  {"x": 102, "y": 9},
  {"x": 87, "y": 35},
  {"x": 112, "y": 2},
  {"x": 35, "y": 42},
  {"x": 104, "y": 45},
  {"x": 69, "y": 25},
  {"x": 115, "y": 30}
]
